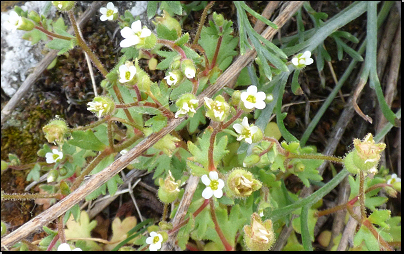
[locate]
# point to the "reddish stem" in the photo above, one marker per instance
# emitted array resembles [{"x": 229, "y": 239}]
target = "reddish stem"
[
  {"x": 227, "y": 246},
  {"x": 219, "y": 43}
]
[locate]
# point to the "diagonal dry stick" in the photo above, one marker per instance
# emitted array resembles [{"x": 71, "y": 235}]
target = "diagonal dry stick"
[{"x": 102, "y": 177}]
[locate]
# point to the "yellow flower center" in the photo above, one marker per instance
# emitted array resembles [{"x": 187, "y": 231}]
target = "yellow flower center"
[
  {"x": 110, "y": 13},
  {"x": 251, "y": 99},
  {"x": 127, "y": 75},
  {"x": 214, "y": 184},
  {"x": 156, "y": 239}
]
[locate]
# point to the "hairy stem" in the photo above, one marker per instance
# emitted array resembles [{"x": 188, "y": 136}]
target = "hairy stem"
[
  {"x": 362, "y": 195},
  {"x": 53, "y": 34},
  {"x": 202, "y": 21},
  {"x": 227, "y": 246}
]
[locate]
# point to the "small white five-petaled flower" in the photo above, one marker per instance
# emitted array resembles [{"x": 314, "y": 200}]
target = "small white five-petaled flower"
[
  {"x": 214, "y": 185},
  {"x": 394, "y": 179},
  {"x": 301, "y": 60},
  {"x": 187, "y": 107},
  {"x": 126, "y": 73},
  {"x": 246, "y": 131},
  {"x": 253, "y": 99},
  {"x": 108, "y": 13},
  {"x": 155, "y": 241},
  {"x": 54, "y": 156},
  {"x": 66, "y": 247},
  {"x": 218, "y": 107},
  {"x": 13, "y": 21},
  {"x": 133, "y": 34},
  {"x": 171, "y": 79}
]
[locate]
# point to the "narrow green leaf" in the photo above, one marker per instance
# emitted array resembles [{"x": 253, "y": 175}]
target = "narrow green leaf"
[
  {"x": 172, "y": 6},
  {"x": 258, "y": 16},
  {"x": 295, "y": 83},
  {"x": 304, "y": 218}
]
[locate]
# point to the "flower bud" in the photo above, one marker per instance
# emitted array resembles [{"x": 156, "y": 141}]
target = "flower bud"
[
  {"x": 26, "y": 24},
  {"x": 235, "y": 98},
  {"x": 167, "y": 144},
  {"x": 56, "y": 130},
  {"x": 188, "y": 68},
  {"x": 143, "y": 79},
  {"x": 176, "y": 64},
  {"x": 269, "y": 98},
  {"x": 259, "y": 236},
  {"x": 391, "y": 191},
  {"x": 52, "y": 175},
  {"x": 63, "y": 5},
  {"x": 365, "y": 156},
  {"x": 299, "y": 167},
  {"x": 169, "y": 22},
  {"x": 241, "y": 183},
  {"x": 34, "y": 16},
  {"x": 62, "y": 171},
  {"x": 257, "y": 136},
  {"x": 153, "y": 64},
  {"x": 168, "y": 190},
  {"x": 164, "y": 225},
  {"x": 251, "y": 160},
  {"x": 218, "y": 19},
  {"x": 187, "y": 105},
  {"x": 64, "y": 188}
]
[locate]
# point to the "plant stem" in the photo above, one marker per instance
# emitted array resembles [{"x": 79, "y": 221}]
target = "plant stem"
[
  {"x": 166, "y": 112},
  {"x": 211, "y": 164},
  {"x": 362, "y": 195},
  {"x": 53, "y": 34},
  {"x": 227, "y": 246},
  {"x": 164, "y": 212},
  {"x": 173, "y": 46},
  {"x": 317, "y": 157},
  {"x": 204, "y": 204},
  {"x": 120, "y": 99},
  {"x": 109, "y": 133},
  {"x": 27, "y": 196},
  {"x": 53, "y": 242},
  {"x": 202, "y": 21},
  {"x": 195, "y": 85},
  {"x": 61, "y": 232},
  {"x": 380, "y": 239},
  {"x": 84, "y": 46},
  {"x": 219, "y": 43}
]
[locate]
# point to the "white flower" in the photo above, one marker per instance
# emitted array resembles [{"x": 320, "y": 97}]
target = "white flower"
[
  {"x": 187, "y": 107},
  {"x": 97, "y": 106},
  {"x": 394, "y": 179},
  {"x": 246, "y": 131},
  {"x": 133, "y": 34},
  {"x": 301, "y": 60},
  {"x": 66, "y": 247},
  {"x": 253, "y": 99},
  {"x": 190, "y": 72},
  {"x": 108, "y": 13},
  {"x": 126, "y": 73},
  {"x": 155, "y": 241},
  {"x": 54, "y": 156},
  {"x": 171, "y": 79},
  {"x": 13, "y": 21},
  {"x": 214, "y": 185}
]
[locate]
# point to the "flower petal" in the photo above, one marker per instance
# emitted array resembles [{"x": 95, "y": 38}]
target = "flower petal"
[
  {"x": 205, "y": 180},
  {"x": 253, "y": 129},
  {"x": 238, "y": 127},
  {"x": 103, "y": 10},
  {"x": 221, "y": 184},
  {"x": 218, "y": 193},
  {"x": 306, "y": 54},
  {"x": 252, "y": 90},
  {"x": 309, "y": 61},
  {"x": 207, "y": 193},
  {"x": 295, "y": 61},
  {"x": 260, "y": 105},
  {"x": 103, "y": 17},
  {"x": 136, "y": 26},
  {"x": 110, "y": 5},
  {"x": 213, "y": 175},
  {"x": 145, "y": 33},
  {"x": 245, "y": 122},
  {"x": 260, "y": 96},
  {"x": 126, "y": 32}
]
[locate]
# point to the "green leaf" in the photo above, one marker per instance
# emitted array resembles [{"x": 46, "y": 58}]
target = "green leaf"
[
  {"x": 169, "y": 58},
  {"x": 196, "y": 120},
  {"x": 35, "y": 173},
  {"x": 312, "y": 220},
  {"x": 380, "y": 217},
  {"x": 164, "y": 33},
  {"x": 365, "y": 235},
  {"x": 171, "y": 7},
  {"x": 59, "y": 27},
  {"x": 130, "y": 53},
  {"x": 151, "y": 9},
  {"x": 86, "y": 140},
  {"x": 184, "y": 39},
  {"x": 112, "y": 183},
  {"x": 61, "y": 45},
  {"x": 258, "y": 16},
  {"x": 34, "y": 36},
  {"x": 75, "y": 211},
  {"x": 157, "y": 122},
  {"x": 200, "y": 153}
]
